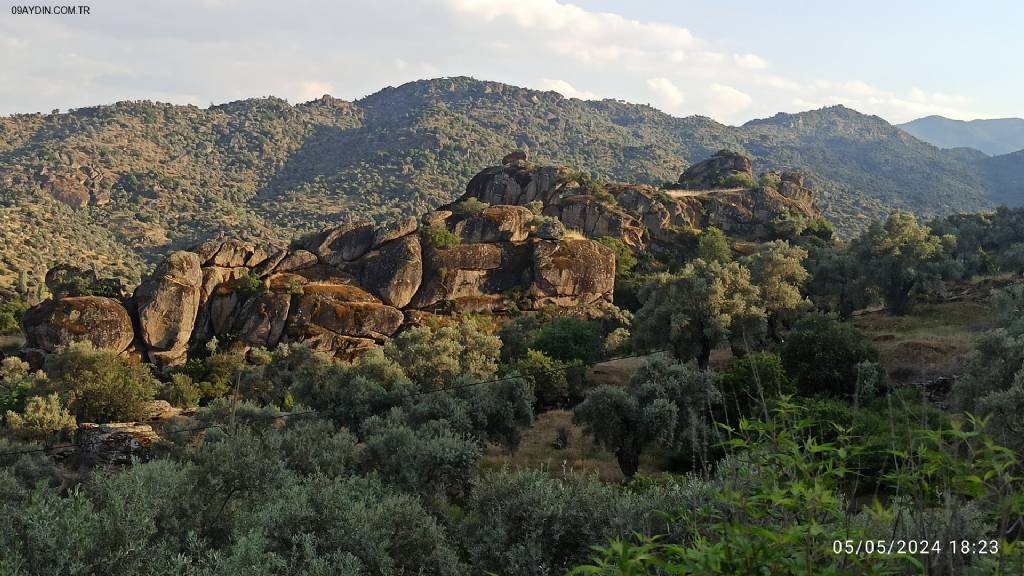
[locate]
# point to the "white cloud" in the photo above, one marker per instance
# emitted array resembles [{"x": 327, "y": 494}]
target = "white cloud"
[
  {"x": 216, "y": 50},
  {"x": 750, "y": 61},
  {"x": 726, "y": 102},
  {"x": 312, "y": 90},
  {"x": 669, "y": 95},
  {"x": 566, "y": 89}
]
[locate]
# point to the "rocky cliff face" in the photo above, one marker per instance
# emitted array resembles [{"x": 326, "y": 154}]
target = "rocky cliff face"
[
  {"x": 349, "y": 288},
  {"x": 638, "y": 214},
  {"x": 342, "y": 291}
]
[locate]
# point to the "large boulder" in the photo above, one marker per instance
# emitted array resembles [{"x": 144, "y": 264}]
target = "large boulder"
[
  {"x": 230, "y": 253},
  {"x": 102, "y": 321},
  {"x": 343, "y": 310},
  {"x": 261, "y": 321},
  {"x": 572, "y": 273},
  {"x": 496, "y": 224},
  {"x": 394, "y": 271},
  {"x": 168, "y": 303},
  {"x": 472, "y": 275},
  {"x": 394, "y": 231},
  {"x": 595, "y": 219},
  {"x": 518, "y": 185},
  {"x": 713, "y": 172},
  {"x": 345, "y": 243},
  {"x": 116, "y": 443}
]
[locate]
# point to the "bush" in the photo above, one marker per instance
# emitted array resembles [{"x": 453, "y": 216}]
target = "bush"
[
  {"x": 248, "y": 283},
  {"x": 822, "y": 354},
  {"x": 516, "y": 337},
  {"x": 43, "y": 418},
  {"x": 432, "y": 460},
  {"x": 751, "y": 383},
  {"x": 181, "y": 392},
  {"x": 736, "y": 180},
  {"x": 625, "y": 260},
  {"x": 17, "y": 382},
  {"x": 10, "y": 316},
  {"x": 439, "y": 237},
  {"x": 546, "y": 376},
  {"x": 434, "y": 357},
  {"x": 570, "y": 340},
  {"x": 102, "y": 385},
  {"x": 713, "y": 246},
  {"x": 470, "y": 206}
]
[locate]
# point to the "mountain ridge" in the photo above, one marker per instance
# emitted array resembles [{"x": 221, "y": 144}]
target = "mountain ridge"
[
  {"x": 994, "y": 136},
  {"x": 122, "y": 185}
]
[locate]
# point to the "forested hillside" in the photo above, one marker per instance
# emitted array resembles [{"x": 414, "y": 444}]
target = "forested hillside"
[
  {"x": 994, "y": 136},
  {"x": 120, "y": 185}
]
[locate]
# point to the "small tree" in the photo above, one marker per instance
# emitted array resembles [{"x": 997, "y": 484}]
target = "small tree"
[
  {"x": 435, "y": 357},
  {"x": 546, "y": 376},
  {"x": 570, "y": 340},
  {"x": 713, "y": 246},
  {"x": 823, "y": 355},
  {"x": 778, "y": 273},
  {"x": 102, "y": 385},
  {"x": 663, "y": 402},
  {"x": 900, "y": 256},
  {"x": 697, "y": 309},
  {"x": 17, "y": 382},
  {"x": 43, "y": 418}
]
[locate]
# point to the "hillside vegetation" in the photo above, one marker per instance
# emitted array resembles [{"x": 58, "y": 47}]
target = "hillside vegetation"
[
  {"x": 994, "y": 136},
  {"x": 121, "y": 185}
]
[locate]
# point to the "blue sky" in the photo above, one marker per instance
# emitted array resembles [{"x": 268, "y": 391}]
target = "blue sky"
[{"x": 732, "y": 61}]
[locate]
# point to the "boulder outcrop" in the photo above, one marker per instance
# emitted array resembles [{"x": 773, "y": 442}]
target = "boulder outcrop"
[
  {"x": 167, "y": 306},
  {"x": 354, "y": 286},
  {"x": 102, "y": 321},
  {"x": 716, "y": 171}
]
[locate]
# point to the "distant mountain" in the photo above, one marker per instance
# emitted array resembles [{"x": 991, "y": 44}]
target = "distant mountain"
[
  {"x": 993, "y": 137},
  {"x": 120, "y": 185}
]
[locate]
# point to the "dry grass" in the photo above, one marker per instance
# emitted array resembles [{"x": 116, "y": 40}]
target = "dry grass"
[
  {"x": 932, "y": 341},
  {"x": 581, "y": 456}
]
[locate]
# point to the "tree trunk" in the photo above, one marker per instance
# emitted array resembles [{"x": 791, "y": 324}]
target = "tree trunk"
[
  {"x": 704, "y": 360},
  {"x": 629, "y": 463}
]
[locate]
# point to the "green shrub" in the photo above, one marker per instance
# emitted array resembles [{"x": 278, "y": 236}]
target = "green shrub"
[
  {"x": 822, "y": 353},
  {"x": 713, "y": 246},
  {"x": 439, "y": 237},
  {"x": 751, "y": 384},
  {"x": 248, "y": 283},
  {"x": 181, "y": 392},
  {"x": 17, "y": 382},
  {"x": 736, "y": 180},
  {"x": 434, "y": 357},
  {"x": 43, "y": 418},
  {"x": 10, "y": 316},
  {"x": 470, "y": 206},
  {"x": 625, "y": 260},
  {"x": 546, "y": 376},
  {"x": 102, "y": 385},
  {"x": 570, "y": 340}
]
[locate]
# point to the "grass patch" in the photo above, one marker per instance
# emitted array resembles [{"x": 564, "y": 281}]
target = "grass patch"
[{"x": 580, "y": 456}]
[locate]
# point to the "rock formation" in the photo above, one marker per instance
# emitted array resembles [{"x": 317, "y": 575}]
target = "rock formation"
[
  {"x": 715, "y": 171},
  {"x": 354, "y": 286}
]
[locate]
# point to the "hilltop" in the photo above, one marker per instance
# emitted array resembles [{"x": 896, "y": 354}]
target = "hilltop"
[
  {"x": 994, "y": 137},
  {"x": 120, "y": 186}
]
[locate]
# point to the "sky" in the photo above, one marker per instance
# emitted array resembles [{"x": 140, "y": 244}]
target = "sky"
[{"x": 732, "y": 61}]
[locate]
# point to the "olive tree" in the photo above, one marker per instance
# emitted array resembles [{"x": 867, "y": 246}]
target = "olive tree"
[
  {"x": 695, "y": 310},
  {"x": 777, "y": 271},
  {"x": 664, "y": 402},
  {"x": 900, "y": 256}
]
